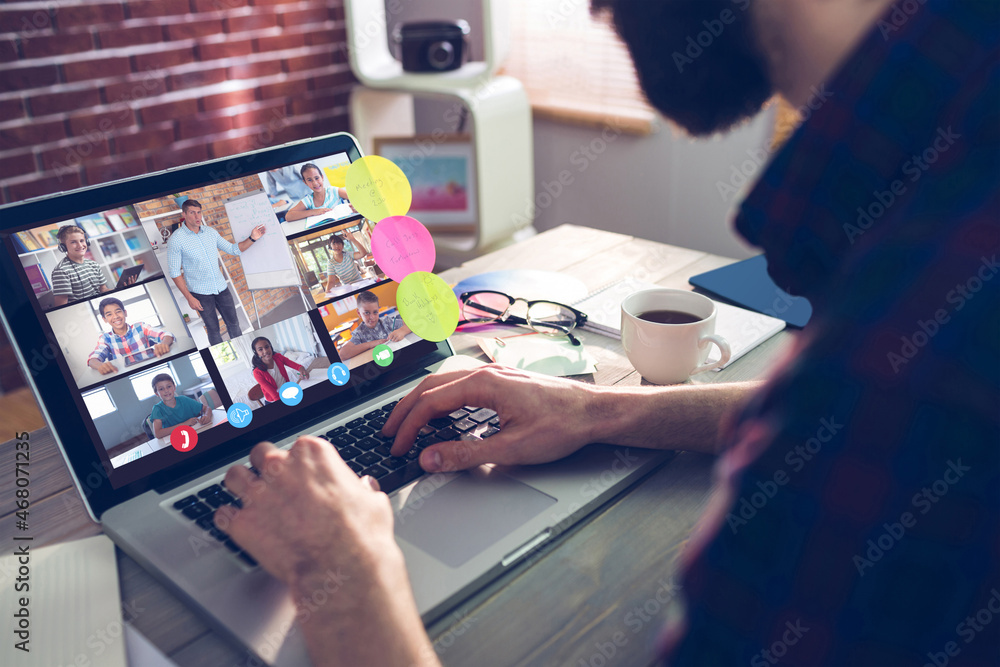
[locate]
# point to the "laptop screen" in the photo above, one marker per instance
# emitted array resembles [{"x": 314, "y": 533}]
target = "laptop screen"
[{"x": 174, "y": 320}]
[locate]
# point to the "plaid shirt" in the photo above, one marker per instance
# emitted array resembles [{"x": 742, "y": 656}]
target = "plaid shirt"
[
  {"x": 857, "y": 516},
  {"x": 138, "y": 337}
]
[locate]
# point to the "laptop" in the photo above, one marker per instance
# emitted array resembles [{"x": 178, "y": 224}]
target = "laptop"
[{"x": 155, "y": 496}]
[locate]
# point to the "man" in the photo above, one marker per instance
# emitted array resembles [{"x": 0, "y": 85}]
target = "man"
[
  {"x": 876, "y": 442},
  {"x": 373, "y": 330},
  {"x": 193, "y": 251},
  {"x": 75, "y": 277},
  {"x": 342, "y": 266},
  {"x": 133, "y": 342}
]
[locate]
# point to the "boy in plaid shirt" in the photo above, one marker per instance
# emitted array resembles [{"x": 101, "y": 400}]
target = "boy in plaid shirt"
[{"x": 134, "y": 342}]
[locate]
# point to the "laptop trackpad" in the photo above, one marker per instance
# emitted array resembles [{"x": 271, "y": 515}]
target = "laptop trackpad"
[{"x": 466, "y": 515}]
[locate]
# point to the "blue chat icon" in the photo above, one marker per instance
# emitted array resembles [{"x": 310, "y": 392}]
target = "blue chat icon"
[{"x": 290, "y": 393}]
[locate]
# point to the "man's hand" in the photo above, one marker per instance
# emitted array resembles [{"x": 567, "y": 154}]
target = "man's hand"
[
  {"x": 397, "y": 335},
  {"x": 542, "y": 418},
  {"x": 257, "y": 232},
  {"x": 194, "y": 303},
  {"x": 205, "y": 417},
  {"x": 304, "y": 373},
  {"x": 192, "y": 422},
  {"x": 105, "y": 367},
  {"x": 316, "y": 527},
  {"x": 375, "y": 343},
  {"x": 131, "y": 280},
  {"x": 161, "y": 349}
]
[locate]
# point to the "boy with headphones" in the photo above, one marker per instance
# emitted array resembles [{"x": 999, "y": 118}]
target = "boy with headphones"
[{"x": 74, "y": 277}]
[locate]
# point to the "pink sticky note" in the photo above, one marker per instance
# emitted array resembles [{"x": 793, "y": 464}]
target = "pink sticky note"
[{"x": 402, "y": 245}]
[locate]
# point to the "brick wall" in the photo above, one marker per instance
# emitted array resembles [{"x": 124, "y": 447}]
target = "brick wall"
[
  {"x": 95, "y": 91},
  {"x": 212, "y": 198}
]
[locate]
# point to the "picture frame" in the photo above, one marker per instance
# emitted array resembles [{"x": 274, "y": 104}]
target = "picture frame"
[{"x": 442, "y": 174}]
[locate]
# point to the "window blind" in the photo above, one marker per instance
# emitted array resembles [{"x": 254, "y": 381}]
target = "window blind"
[{"x": 574, "y": 67}]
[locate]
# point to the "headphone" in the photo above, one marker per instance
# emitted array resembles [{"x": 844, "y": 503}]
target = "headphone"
[{"x": 62, "y": 246}]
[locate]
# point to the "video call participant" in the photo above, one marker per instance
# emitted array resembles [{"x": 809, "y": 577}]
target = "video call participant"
[
  {"x": 133, "y": 342},
  {"x": 194, "y": 251},
  {"x": 373, "y": 330},
  {"x": 323, "y": 197},
  {"x": 342, "y": 266},
  {"x": 75, "y": 278},
  {"x": 269, "y": 368},
  {"x": 174, "y": 410}
]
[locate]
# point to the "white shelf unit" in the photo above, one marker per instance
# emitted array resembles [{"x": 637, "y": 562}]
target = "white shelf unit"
[
  {"x": 196, "y": 326},
  {"x": 113, "y": 251},
  {"x": 499, "y": 121}
]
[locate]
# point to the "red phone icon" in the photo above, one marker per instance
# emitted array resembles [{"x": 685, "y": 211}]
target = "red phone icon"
[{"x": 184, "y": 438}]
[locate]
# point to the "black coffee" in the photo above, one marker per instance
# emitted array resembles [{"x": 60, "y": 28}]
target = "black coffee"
[{"x": 669, "y": 317}]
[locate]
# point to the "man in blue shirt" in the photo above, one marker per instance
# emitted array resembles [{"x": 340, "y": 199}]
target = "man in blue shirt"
[{"x": 193, "y": 251}]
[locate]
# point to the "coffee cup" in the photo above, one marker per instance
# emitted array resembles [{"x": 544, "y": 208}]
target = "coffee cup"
[{"x": 667, "y": 334}]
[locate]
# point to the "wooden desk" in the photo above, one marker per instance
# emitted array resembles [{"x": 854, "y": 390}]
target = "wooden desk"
[{"x": 608, "y": 579}]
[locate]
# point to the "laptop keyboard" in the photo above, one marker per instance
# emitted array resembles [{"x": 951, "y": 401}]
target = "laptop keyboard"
[{"x": 365, "y": 450}]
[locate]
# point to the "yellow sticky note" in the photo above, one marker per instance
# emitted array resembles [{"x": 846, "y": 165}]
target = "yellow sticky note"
[
  {"x": 378, "y": 188},
  {"x": 427, "y": 305},
  {"x": 337, "y": 176}
]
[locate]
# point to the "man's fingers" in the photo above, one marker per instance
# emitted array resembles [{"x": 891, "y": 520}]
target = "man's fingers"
[
  {"x": 464, "y": 389},
  {"x": 406, "y": 404},
  {"x": 238, "y": 480},
  {"x": 264, "y": 456},
  {"x": 224, "y": 516},
  {"x": 463, "y": 454}
]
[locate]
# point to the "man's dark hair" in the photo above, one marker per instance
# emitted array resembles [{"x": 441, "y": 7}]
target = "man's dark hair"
[
  {"x": 698, "y": 61},
  {"x": 190, "y": 203},
  {"x": 110, "y": 301},
  {"x": 307, "y": 167},
  {"x": 367, "y": 297},
  {"x": 161, "y": 378}
]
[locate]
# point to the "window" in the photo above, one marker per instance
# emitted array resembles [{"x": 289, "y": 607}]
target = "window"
[
  {"x": 138, "y": 305},
  {"x": 574, "y": 67},
  {"x": 142, "y": 383},
  {"x": 198, "y": 365},
  {"x": 99, "y": 402},
  {"x": 223, "y": 353}
]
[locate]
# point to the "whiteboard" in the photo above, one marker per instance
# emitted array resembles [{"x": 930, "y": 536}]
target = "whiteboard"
[{"x": 268, "y": 262}]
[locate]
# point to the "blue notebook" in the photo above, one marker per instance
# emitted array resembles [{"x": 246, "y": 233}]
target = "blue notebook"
[{"x": 747, "y": 284}]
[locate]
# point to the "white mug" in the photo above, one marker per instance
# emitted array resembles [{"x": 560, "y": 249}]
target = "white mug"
[{"x": 670, "y": 353}]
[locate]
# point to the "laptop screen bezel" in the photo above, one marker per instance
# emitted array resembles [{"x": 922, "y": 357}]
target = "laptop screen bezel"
[{"x": 36, "y": 352}]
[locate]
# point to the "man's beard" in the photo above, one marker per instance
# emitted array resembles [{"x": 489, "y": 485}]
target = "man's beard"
[{"x": 697, "y": 60}]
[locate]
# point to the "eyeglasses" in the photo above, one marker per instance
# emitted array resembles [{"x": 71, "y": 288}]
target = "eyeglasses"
[{"x": 547, "y": 317}]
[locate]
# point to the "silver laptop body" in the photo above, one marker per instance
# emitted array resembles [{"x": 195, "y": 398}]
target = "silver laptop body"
[{"x": 457, "y": 531}]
